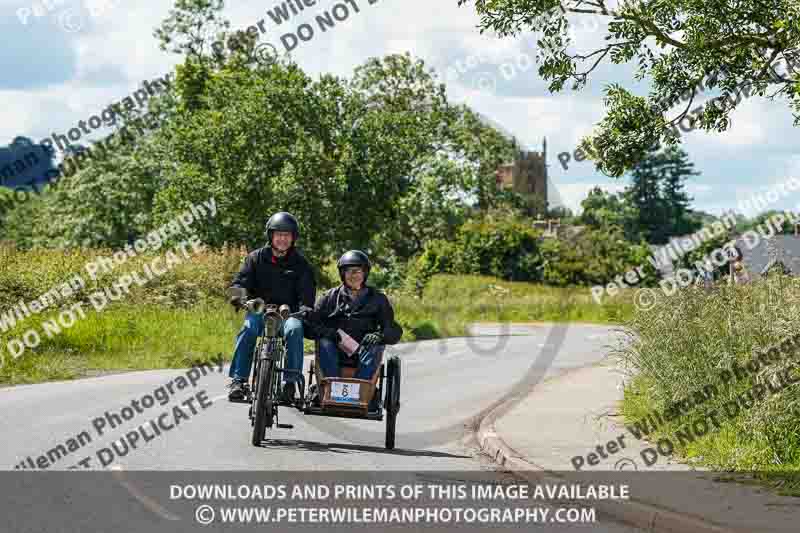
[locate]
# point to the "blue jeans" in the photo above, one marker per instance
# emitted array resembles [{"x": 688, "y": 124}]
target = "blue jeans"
[
  {"x": 246, "y": 343},
  {"x": 329, "y": 360}
]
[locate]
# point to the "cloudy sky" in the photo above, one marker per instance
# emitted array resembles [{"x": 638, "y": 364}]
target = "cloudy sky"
[{"x": 65, "y": 65}]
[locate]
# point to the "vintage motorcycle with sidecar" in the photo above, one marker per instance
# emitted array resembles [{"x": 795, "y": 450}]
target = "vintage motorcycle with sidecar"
[{"x": 344, "y": 396}]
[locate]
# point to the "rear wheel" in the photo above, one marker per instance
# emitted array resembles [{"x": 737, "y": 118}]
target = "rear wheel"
[
  {"x": 262, "y": 402},
  {"x": 392, "y": 400}
]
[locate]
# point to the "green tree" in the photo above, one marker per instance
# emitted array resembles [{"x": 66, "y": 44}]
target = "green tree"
[
  {"x": 787, "y": 228},
  {"x": 191, "y": 28},
  {"x": 644, "y": 195},
  {"x": 601, "y": 209},
  {"x": 657, "y": 194},
  {"x": 677, "y": 44},
  {"x": 380, "y": 161},
  {"x": 676, "y": 169}
]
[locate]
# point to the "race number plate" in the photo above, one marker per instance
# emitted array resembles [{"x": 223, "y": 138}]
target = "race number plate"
[{"x": 345, "y": 392}]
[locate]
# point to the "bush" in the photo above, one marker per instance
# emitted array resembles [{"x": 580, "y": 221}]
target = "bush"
[
  {"x": 503, "y": 247},
  {"x": 438, "y": 257},
  {"x": 511, "y": 249},
  {"x": 507, "y": 248},
  {"x": 593, "y": 257}
]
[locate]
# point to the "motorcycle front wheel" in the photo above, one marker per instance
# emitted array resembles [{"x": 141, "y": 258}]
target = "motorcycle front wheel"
[{"x": 262, "y": 402}]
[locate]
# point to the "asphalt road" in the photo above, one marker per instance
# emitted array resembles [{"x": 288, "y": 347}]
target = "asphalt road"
[{"x": 446, "y": 385}]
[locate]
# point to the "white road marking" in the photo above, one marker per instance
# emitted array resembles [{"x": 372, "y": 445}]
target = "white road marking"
[{"x": 116, "y": 471}]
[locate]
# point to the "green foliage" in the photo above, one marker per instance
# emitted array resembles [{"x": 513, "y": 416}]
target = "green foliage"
[
  {"x": 724, "y": 241},
  {"x": 676, "y": 44},
  {"x": 495, "y": 245},
  {"x": 438, "y": 256},
  {"x": 787, "y": 228},
  {"x": 653, "y": 207},
  {"x": 657, "y": 194},
  {"x": 183, "y": 317},
  {"x": 592, "y": 257},
  {"x": 379, "y": 162},
  {"x": 507, "y": 248},
  {"x": 602, "y": 210},
  {"x": 510, "y": 248},
  {"x": 191, "y": 28},
  {"x": 681, "y": 345},
  {"x": 7, "y": 201}
]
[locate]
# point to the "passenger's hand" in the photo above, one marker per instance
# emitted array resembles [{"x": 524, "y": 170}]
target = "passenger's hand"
[{"x": 372, "y": 339}]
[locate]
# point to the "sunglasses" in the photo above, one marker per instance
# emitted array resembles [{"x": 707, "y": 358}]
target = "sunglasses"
[{"x": 355, "y": 270}]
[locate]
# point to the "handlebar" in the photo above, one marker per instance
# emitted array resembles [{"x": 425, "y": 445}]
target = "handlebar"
[{"x": 258, "y": 306}]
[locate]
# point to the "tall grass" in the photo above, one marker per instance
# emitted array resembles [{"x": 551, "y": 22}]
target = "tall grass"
[
  {"x": 687, "y": 339},
  {"x": 450, "y": 303},
  {"x": 182, "y": 318}
]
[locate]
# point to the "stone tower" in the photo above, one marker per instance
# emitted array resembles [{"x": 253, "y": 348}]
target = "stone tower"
[{"x": 526, "y": 175}]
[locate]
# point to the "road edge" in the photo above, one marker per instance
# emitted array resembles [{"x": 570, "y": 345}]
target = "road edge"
[{"x": 639, "y": 513}]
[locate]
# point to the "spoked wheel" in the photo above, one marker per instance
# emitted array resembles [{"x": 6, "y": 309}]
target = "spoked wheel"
[
  {"x": 263, "y": 402},
  {"x": 392, "y": 399}
]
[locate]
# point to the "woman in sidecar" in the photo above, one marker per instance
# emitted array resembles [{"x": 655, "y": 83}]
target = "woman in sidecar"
[{"x": 353, "y": 323}]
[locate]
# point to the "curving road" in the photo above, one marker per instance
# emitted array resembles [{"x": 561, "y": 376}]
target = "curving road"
[{"x": 447, "y": 386}]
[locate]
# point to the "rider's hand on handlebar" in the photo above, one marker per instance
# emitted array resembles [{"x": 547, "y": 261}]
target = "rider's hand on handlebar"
[
  {"x": 237, "y": 303},
  {"x": 255, "y": 305}
]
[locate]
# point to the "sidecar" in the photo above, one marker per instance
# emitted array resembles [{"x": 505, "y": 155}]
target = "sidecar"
[{"x": 348, "y": 397}]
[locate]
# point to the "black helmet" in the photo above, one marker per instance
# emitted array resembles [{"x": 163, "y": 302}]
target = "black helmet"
[
  {"x": 283, "y": 221},
  {"x": 354, "y": 258}
]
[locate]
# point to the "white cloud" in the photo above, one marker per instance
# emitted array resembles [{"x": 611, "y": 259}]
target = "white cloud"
[
  {"x": 116, "y": 51},
  {"x": 572, "y": 194}
]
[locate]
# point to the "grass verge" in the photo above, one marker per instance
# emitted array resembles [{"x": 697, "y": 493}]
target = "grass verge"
[
  {"x": 681, "y": 346},
  {"x": 157, "y": 330}
]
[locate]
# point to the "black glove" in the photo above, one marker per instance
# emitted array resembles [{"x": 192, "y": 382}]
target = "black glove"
[{"x": 372, "y": 339}]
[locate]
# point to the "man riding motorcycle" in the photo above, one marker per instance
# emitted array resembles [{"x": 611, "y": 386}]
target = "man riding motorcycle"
[
  {"x": 362, "y": 312},
  {"x": 278, "y": 274}
]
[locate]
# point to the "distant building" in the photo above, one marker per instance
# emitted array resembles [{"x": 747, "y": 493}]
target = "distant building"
[
  {"x": 769, "y": 252},
  {"x": 526, "y": 175}
]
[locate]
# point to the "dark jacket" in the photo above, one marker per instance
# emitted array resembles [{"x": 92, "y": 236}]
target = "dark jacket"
[
  {"x": 372, "y": 312},
  {"x": 278, "y": 280}
]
